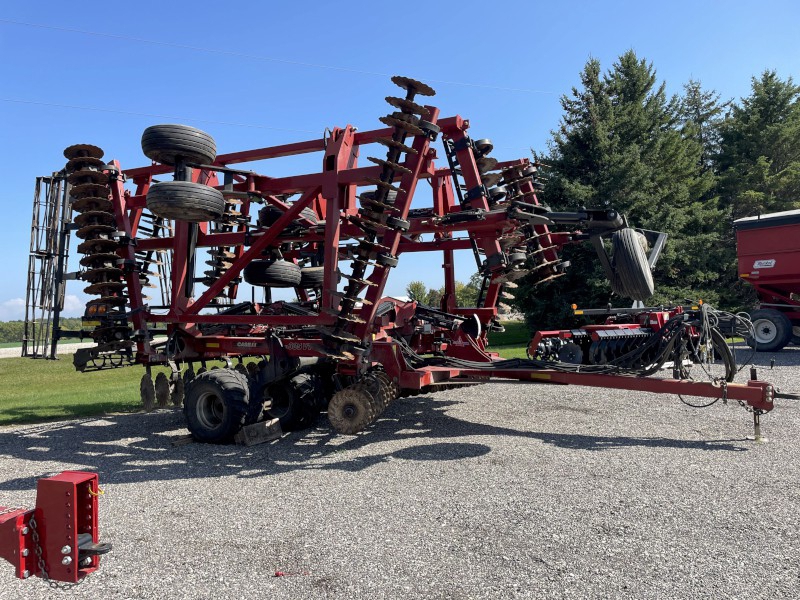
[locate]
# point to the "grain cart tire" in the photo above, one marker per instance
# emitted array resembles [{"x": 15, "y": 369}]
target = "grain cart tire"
[
  {"x": 293, "y": 403},
  {"x": 272, "y": 273},
  {"x": 350, "y": 410},
  {"x": 312, "y": 277},
  {"x": 772, "y": 330},
  {"x": 168, "y": 143},
  {"x": 216, "y": 404},
  {"x": 185, "y": 201},
  {"x": 632, "y": 276}
]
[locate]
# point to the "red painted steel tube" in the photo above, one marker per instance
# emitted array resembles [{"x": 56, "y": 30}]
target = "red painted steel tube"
[{"x": 757, "y": 394}]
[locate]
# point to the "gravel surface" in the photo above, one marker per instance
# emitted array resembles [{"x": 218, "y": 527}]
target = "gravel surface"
[{"x": 497, "y": 491}]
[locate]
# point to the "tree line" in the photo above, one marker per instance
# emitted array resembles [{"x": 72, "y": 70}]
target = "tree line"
[
  {"x": 13, "y": 331},
  {"x": 688, "y": 165}
]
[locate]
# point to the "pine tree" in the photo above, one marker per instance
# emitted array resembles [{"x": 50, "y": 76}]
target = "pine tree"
[{"x": 759, "y": 161}]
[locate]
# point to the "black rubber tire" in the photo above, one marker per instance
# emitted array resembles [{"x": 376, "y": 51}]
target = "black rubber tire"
[
  {"x": 269, "y": 214},
  {"x": 216, "y": 404},
  {"x": 272, "y": 273},
  {"x": 312, "y": 277},
  {"x": 168, "y": 143},
  {"x": 293, "y": 403},
  {"x": 773, "y": 330},
  {"x": 185, "y": 201},
  {"x": 632, "y": 276}
]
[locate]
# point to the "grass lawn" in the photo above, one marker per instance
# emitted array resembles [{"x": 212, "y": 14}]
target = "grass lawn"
[
  {"x": 38, "y": 390},
  {"x": 41, "y": 390}
]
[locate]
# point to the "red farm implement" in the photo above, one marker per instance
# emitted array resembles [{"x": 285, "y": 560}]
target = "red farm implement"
[
  {"x": 333, "y": 237},
  {"x": 768, "y": 248},
  {"x": 59, "y": 539}
]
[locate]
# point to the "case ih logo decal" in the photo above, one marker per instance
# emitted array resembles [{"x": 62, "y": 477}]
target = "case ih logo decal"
[{"x": 764, "y": 264}]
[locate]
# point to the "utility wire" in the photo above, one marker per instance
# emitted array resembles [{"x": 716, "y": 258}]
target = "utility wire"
[{"x": 117, "y": 36}]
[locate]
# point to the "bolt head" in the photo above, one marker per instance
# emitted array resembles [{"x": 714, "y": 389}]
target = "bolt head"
[
  {"x": 26, "y": 574},
  {"x": 25, "y": 531},
  {"x": 67, "y": 560},
  {"x": 66, "y": 549},
  {"x": 25, "y": 552}
]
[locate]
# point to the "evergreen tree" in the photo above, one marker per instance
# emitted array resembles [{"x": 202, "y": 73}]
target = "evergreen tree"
[
  {"x": 702, "y": 115},
  {"x": 759, "y": 161},
  {"x": 623, "y": 143}
]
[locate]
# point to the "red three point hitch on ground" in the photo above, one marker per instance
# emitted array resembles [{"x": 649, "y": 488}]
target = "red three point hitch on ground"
[{"x": 59, "y": 539}]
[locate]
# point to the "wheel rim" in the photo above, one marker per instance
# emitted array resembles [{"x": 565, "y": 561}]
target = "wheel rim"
[
  {"x": 210, "y": 410},
  {"x": 764, "y": 331}
]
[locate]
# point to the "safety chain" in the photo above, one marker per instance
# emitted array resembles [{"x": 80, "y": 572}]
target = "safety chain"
[
  {"x": 38, "y": 550},
  {"x": 42, "y": 566}
]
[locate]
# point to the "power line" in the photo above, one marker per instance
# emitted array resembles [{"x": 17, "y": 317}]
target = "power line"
[
  {"x": 159, "y": 116},
  {"x": 260, "y": 57}
]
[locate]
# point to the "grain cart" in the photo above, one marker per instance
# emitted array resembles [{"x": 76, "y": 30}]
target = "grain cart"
[
  {"x": 334, "y": 236},
  {"x": 768, "y": 249}
]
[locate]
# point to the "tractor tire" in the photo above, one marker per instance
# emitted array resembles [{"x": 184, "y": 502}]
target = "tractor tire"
[
  {"x": 169, "y": 143},
  {"x": 293, "y": 403},
  {"x": 772, "y": 330},
  {"x": 632, "y": 276},
  {"x": 185, "y": 201},
  {"x": 272, "y": 273},
  {"x": 312, "y": 277},
  {"x": 216, "y": 404},
  {"x": 268, "y": 215}
]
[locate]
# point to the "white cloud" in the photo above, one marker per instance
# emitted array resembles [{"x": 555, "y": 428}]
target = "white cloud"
[
  {"x": 12, "y": 310},
  {"x": 73, "y": 306}
]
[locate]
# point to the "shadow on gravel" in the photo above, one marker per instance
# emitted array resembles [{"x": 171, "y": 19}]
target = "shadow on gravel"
[{"x": 137, "y": 447}]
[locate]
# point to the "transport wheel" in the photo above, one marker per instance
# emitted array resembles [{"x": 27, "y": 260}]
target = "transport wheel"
[
  {"x": 293, "y": 403},
  {"x": 350, "y": 410},
  {"x": 632, "y": 276},
  {"x": 147, "y": 392},
  {"x": 216, "y": 404},
  {"x": 772, "y": 330},
  {"x": 185, "y": 201},
  {"x": 162, "y": 390},
  {"x": 168, "y": 143},
  {"x": 273, "y": 273},
  {"x": 312, "y": 277},
  {"x": 269, "y": 214}
]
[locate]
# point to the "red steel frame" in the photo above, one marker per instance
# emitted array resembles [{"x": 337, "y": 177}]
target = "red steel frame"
[
  {"x": 66, "y": 507},
  {"x": 332, "y": 194}
]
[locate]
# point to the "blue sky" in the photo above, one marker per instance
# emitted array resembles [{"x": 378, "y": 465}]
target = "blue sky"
[{"x": 255, "y": 74}]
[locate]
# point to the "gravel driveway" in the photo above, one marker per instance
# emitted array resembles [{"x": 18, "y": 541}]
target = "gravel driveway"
[{"x": 498, "y": 491}]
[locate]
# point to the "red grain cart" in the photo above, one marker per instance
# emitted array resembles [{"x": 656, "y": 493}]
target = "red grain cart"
[{"x": 768, "y": 248}]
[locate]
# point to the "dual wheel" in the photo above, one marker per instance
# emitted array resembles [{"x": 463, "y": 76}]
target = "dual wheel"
[
  {"x": 219, "y": 402},
  {"x": 177, "y": 145}
]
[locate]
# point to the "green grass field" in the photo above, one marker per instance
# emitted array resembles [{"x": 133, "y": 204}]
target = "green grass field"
[{"x": 41, "y": 390}]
